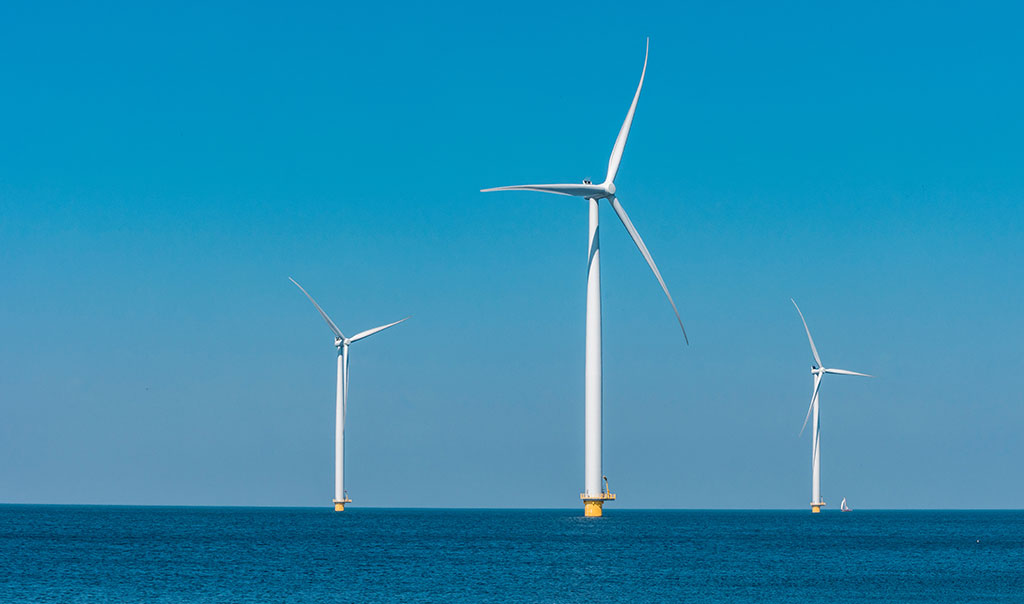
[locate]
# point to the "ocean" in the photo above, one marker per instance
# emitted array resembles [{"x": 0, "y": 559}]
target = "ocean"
[{"x": 194, "y": 554}]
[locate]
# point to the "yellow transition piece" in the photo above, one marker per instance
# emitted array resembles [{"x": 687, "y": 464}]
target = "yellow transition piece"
[{"x": 592, "y": 505}]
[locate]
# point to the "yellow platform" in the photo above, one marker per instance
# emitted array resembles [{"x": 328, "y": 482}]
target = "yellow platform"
[
  {"x": 816, "y": 507},
  {"x": 339, "y": 504},
  {"x": 592, "y": 505}
]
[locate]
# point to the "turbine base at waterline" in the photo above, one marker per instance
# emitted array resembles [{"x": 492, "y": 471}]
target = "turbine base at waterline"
[
  {"x": 339, "y": 504},
  {"x": 593, "y": 504}
]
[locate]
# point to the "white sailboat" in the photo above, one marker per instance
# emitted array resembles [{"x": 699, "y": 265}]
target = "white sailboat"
[{"x": 843, "y": 507}]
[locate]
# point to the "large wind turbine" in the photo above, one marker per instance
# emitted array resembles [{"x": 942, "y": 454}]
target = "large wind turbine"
[
  {"x": 593, "y": 496},
  {"x": 342, "y": 344},
  {"x": 818, "y": 371}
]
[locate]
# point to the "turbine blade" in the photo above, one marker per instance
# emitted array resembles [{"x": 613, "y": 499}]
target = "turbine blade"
[
  {"x": 330, "y": 323},
  {"x": 817, "y": 359},
  {"x": 647, "y": 256},
  {"x": 811, "y": 406},
  {"x": 580, "y": 190},
  {"x": 370, "y": 332},
  {"x": 620, "y": 142},
  {"x": 344, "y": 398},
  {"x": 845, "y": 372}
]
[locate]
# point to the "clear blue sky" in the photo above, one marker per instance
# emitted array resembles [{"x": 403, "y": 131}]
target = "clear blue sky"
[{"x": 163, "y": 170}]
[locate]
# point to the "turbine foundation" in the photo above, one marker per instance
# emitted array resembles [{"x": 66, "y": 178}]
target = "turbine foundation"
[
  {"x": 339, "y": 504},
  {"x": 592, "y": 504},
  {"x": 816, "y": 507}
]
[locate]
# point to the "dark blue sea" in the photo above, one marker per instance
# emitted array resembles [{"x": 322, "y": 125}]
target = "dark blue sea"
[{"x": 157, "y": 554}]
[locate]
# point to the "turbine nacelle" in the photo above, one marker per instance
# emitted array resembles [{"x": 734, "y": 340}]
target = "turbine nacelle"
[
  {"x": 603, "y": 190},
  {"x": 338, "y": 342}
]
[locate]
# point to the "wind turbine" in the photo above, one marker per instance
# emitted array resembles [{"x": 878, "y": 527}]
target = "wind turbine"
[
  {"x": 818, "y": 371},
  {"x": 341, "y": 401},
  {"x": 593, "y": 496}
]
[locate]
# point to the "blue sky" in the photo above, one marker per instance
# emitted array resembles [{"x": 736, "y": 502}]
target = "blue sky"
[{"x": 165, "y": 169}]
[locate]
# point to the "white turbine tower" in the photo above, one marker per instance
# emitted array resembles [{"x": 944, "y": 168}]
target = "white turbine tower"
[
  {"x": 341, "y": 400},
  {"x": 593, "y": 495},
  {"x": 818, "y": 371}
]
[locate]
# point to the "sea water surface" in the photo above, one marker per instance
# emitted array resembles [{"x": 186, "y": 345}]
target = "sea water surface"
[{"x": 188, "y": 554}]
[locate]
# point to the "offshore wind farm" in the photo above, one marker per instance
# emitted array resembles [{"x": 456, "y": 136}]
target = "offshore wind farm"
[{"x": 172, "y": 424}]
